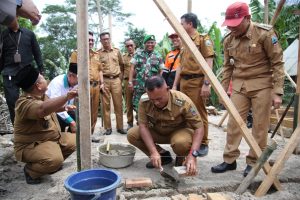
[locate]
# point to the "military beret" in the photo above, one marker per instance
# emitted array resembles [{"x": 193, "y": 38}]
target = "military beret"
[
  {"x": 27, "y": 77},
  {"x": 73, "y": 68},
  {"x": 149, "y": 37}
]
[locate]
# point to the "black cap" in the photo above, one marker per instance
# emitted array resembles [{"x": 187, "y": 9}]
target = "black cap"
[
  {"x": 73, "y": 68},
  {"x": 27, "y": 77}
]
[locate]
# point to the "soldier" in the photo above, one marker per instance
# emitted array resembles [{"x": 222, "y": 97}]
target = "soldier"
[
  {"x": 167, "y": 117},
  {"x": 130, "y": 46},
  {"x": 193, "y": 83},
  {"x": 253, "y": 60},
  {"x": 113, "y": 67},
  {"x": 38, "y": 140},
  {"x": 96, "y": 82},
  {"x": 145, "y": 64}
]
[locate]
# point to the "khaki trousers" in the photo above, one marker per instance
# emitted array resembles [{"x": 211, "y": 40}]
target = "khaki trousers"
[
  {"x": 129, "y": 105},
  {"x": 260, "y": 101},
  {"x": 43, "y": 158},
  {"x": 95, "y": 96},
  {"x": 192, "y": 88},
  {"x": 113, "y": 89},
  {"x": 180, "y": 140}
]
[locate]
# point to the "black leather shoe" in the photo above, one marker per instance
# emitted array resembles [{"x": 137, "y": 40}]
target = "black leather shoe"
[
  {"x": 30, "y": 180},
  {"x": 166, "y": 158},
  {"x": 122, "y": 131},
  {"x": 203, "y": 150},
  {"x": 107, "y": 132},
  {"x": 223, "y": 167},
  {"x": 247, "y": 170}
]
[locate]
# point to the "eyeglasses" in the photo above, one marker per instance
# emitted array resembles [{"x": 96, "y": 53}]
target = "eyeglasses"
[{"x": 129, "y": 45}]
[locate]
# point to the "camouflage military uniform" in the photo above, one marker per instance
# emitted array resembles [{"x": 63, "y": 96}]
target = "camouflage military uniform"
[{"x": 145, "y": 65}]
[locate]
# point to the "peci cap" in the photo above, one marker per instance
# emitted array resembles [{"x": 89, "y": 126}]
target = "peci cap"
[
  {"x": 235, "y": 14},
  {"x": 73, "y": 68},
  {"x": 27, "y": 77},
  {"x": 173, "y": 35},
  {"x": 148, "y": 37}
]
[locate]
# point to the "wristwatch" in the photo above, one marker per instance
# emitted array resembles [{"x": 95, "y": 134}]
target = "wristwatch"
[
  {"x": 206, "y": 82},
  {"x": 194, "y": 153},
  {"x": 19, "y": 3}
]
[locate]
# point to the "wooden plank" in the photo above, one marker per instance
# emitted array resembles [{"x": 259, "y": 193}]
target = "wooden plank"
[
  {"x": 298, "y": 69},
  {"x": 287, "y": 122},
  {"x": 189, "y": 44},
  {"x": 195, "y": 197},
  {"x": 141, "y": 182},
  {"x": 279, "y": 163},
  {"x": 217, "y": 196},
  {"x": 83, "y": 83},
  {"x": 280, "y": 128}
]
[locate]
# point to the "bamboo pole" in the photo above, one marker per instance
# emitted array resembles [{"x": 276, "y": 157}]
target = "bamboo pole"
[
  {"x": 83, "y": 83},
  {"x": 189, "y": 7},
  {"x": 214, "y": 82},
  {"x": 266, "y": 12},
  {"x": 277, "y": 11}
]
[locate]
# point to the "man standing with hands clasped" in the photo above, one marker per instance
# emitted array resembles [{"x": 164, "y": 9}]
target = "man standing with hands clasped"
[{"x": 253, "y": 61}]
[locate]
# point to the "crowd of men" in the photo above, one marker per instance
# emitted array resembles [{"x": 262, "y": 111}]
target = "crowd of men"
[{"x": 168, "y": 94}]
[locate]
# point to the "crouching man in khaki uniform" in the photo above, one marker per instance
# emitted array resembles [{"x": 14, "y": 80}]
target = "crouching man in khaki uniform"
[
  {"x": 167, "y": 117},
  {"x": 39, "y": 141}
]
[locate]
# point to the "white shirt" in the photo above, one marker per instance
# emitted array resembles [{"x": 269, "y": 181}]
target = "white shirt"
[{"x": 57, "y": 87}]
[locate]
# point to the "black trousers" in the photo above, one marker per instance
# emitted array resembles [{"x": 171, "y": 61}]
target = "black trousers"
[
  {"x": 11, "y": 92},
  {"x": 63, "y": 124}
]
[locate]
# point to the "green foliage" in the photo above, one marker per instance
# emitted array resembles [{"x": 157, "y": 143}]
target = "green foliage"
[
  {"x": 137, "y": 35},
  {"x": 164, "y": 46}
]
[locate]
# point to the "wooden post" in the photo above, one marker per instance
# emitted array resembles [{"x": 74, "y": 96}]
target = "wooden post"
[
  {"x": 277, "y": 11},
  {"x": 189, "y": 7},
  {"x": 83, "y": 83},
  {"x": 214, "y": 81},
  {"x": 254, "y": 171},
  {"x": 266, "y": 12}
]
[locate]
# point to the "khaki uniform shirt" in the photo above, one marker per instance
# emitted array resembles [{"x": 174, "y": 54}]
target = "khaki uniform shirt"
[
  {"x": 253, "y": 61},
  {"x": 95, "y": 65},
  {"x": 187, "y": 62},
  {"x": 179, "y": 113},
  {"x": 112, "y": 61},
  {"x": 28, "y": 128},
  {"x": 127, "y": 57}
]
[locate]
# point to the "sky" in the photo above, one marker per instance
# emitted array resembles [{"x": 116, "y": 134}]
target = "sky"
[{"x": 147, "y": 15}]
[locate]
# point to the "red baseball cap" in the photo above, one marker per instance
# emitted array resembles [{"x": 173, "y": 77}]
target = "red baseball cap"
[{"x": 235, "y": 14}]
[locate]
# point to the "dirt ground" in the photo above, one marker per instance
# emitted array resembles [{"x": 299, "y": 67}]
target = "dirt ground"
[{"x": 13, "y": 185}]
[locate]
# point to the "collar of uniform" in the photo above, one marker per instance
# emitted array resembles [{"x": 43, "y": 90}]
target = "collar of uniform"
[
  {"x": 169, "y": 105},
  {"x": 102, "y": 49},
  {"x": 249, "y": 31},
  {"x": 92, "y": 51},
  {"x": 37, "y": 97},
  {"x": 195, "y": 35},
  {"x": 66, "y": 84},
  {"x": 19, "y": 30}
]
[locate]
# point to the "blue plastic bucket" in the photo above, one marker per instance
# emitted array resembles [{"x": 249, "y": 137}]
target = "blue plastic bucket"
[{"x": 94, "y": 184}]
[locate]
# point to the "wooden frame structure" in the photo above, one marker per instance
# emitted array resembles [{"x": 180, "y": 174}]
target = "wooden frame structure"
[{"x": 215, "y": 83}]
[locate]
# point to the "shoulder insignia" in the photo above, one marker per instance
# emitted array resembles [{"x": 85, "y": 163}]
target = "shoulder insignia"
[
  {"x": 203, "y": 34},
  {"x": 144, "y": 97},
  {"x": 29, "y": 97},
  {"x": 264, "y": 26},
  {"x": 179, "y": 102},
  {"x": 193, "y": 111}
]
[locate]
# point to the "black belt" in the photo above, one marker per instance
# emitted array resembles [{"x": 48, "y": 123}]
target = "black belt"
[
  {"x": 94, "y": 83},
  {"x": 110, "y": 77},
  {"x": 191, "y": 76}
]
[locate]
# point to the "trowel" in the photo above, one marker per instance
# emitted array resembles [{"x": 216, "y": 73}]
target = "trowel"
[{"x": 167, "y": 175}]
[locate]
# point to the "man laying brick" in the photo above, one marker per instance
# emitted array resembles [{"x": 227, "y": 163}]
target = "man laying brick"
[{"x": 167, "y": 117}]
